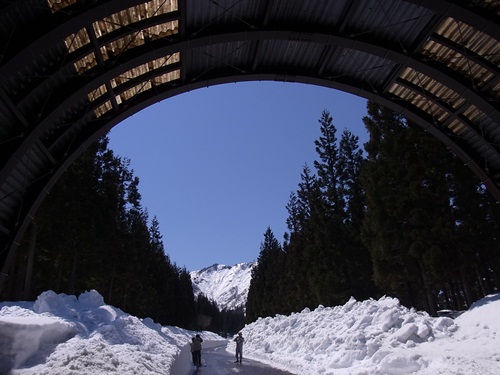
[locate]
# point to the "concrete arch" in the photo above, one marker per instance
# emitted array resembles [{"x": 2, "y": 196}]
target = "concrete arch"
[{"x": 87, "y": 65}]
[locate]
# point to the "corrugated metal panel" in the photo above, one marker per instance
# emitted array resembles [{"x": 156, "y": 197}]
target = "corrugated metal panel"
[
  {"x": 234, "y": 55},
  {"x": 475, "y": 46},
  {"x": 37, "y": 67},
  {"x": 321, "y": 13},
  {"x": 292, "y": 53},
  {"x": 470, "y": 38},
  {"x": 33, "y": 105},
  {"x": 202, "y": 15},
  {"x": 487, "y": 126},
  {"x": 359, "y": 65},
  {"x": 127, "y": 17},
  {"x": 458, "y": 62},
  {"x": 396, "y": 21}
]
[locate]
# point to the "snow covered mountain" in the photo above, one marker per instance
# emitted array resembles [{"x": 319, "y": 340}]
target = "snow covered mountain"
[{"x": 225, "y": 285}]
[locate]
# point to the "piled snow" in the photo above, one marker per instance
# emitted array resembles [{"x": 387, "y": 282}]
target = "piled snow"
[
  {"x": 378, "y": 338},
  {"x": 226, "y": 285},
  {"x": 60, "y": 334}
]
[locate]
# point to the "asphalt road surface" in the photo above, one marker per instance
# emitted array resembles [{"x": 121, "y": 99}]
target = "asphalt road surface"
[{"x": 221, "y": 362}]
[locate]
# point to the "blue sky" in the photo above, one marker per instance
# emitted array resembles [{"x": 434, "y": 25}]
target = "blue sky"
[{"x": 217, "y": 165}]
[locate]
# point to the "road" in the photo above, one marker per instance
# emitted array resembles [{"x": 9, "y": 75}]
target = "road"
[{"x": 220, "y": 362}]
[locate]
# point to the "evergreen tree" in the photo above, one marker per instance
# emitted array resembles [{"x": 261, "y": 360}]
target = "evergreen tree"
[
  {"x": 263, "y": 292},
  {"x": 324, "y": 251},
  {"x": 356, "y": 255},
  {"x": 206, "y": 312},
  {"x": 305, "y": 208},
  {"x": 327, "y": 166},
  {"x": 474, "y": 270},
  {"x": 65, "y": 247},
  {"x": 421, "y": 239},
  {"x": 93, "y": 234},
  {"x": 330, "y": 252},
  {"x": 384, "y": 176}
]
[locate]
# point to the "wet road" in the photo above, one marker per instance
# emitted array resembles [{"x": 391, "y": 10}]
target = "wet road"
[{"x": 220, "y": 362}]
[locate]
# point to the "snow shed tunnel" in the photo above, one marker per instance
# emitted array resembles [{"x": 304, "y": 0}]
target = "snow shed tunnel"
[{"x": 70, "y": 70}]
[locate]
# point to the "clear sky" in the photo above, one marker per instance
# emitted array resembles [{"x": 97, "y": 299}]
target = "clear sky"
[{"x": 217, "y": 165}]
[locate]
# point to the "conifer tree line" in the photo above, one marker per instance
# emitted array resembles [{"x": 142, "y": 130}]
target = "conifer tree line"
[
  {"x": 93, "y": 233},
  {"x": 404, "y": 218},
  {"x": 211, "y": 318}
]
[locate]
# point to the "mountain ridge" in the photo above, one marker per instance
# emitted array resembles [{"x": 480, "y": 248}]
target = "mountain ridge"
[{"x": 226, "y": 285}]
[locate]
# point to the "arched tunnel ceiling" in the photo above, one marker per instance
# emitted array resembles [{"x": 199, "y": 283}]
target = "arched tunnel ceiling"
[{"x": 72, "y": 69}]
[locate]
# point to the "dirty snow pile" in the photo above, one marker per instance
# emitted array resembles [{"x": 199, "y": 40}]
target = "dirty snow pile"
[
  {"x": 379, "y": 337},
  {"x": 60, "y": 334}
]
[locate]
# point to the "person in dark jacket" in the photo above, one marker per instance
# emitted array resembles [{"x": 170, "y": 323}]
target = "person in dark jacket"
[
  {"x": 196, "y": 349},
  {"x": 192, "y": 351},
  {"x": 239, "y": 347}
]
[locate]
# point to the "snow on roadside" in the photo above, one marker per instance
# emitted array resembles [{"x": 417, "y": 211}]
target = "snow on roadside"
[
  {"x": 84, "y": 335},
  {"x": 60, "y": 334},
  {"x": 378, "y": 337}
]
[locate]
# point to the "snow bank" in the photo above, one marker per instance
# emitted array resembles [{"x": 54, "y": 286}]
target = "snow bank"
[
  {"x": 60, "y": 334},
  {"x": 22, "y": 337},
  {"x": 374, "y": 338}
]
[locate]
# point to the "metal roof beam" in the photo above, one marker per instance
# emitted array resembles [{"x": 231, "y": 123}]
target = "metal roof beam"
[{"x": 147, "y": 53}]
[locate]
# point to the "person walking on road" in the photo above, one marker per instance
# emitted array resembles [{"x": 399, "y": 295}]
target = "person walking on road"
[
  {"x": 192, "y": 351},
  {"x": 196, "y": 348},
  {"x": 239, "y": 347}
]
